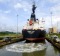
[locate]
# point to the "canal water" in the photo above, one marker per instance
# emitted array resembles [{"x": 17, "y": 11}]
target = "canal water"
[{"x": 29, "y": 49}]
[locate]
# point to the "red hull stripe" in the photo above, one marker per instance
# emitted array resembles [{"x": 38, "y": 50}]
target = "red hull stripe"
[{"x": 35, "y": 38}]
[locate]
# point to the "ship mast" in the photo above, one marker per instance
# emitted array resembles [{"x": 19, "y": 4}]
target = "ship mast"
[{"x": 33, "y": 17}]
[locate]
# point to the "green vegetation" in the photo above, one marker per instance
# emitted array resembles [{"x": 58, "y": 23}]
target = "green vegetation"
[
  {"x": 49, "y": 35},
  {"x": 53, "y": 40},
  {"x": 10, "y": 34},
  {"x": 13, "y": 40},
  {"x": 14, "y": 37}
]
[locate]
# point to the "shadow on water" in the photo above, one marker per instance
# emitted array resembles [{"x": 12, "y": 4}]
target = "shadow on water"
[{"x": 27, "y": 41}]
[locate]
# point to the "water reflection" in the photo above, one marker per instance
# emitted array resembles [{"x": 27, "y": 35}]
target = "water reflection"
[
  {"x": 37, "y": 53},
  {"x": 56, "y": 51},
  {"x": 50, "y": 50}
]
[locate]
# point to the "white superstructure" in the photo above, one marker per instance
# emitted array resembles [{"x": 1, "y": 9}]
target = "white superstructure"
[{"x": 35, "y": 25}]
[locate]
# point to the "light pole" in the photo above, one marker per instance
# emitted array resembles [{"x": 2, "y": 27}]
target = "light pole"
[
  {"x": 17, "y": 25},
  {"x": 57, "y": 27},
  {"x": 51, "y": 21},
  {"x": 51, "y": 24}
]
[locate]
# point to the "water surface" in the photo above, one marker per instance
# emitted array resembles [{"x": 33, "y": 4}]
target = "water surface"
[{"x": 48, "y": 51}]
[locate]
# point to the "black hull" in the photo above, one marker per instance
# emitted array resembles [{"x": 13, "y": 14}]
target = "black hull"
[{"x": 34, "y": 35}]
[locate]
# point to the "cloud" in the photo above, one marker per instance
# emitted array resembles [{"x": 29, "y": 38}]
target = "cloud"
[
  {"x": 8, "y": 11},
  {"x": 17, "y": 6},
  {"x": 4, "y": 1},
  {"x": 3, "y": 11},
  {"x": 5, "y": 22},
  {"x": 1, "y": 0},
  {"x": 44, "y": 7},
  {"x": 55, "y": 8},
  {"x": 55, "y": 19},
  {"x": 23, "y": 5},
  {"x": 54, "y": 1},
  {"x": 0, "y": 11}
]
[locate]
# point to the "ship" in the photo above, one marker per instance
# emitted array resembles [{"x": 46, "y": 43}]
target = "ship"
[{"x": 34, "y": 29}]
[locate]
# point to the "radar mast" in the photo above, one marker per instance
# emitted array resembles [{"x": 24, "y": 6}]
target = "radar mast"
[{"x": 33, "y": 17}]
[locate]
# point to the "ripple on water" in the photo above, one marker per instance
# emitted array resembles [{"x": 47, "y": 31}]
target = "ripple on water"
[{"x": 26, "y": 47}]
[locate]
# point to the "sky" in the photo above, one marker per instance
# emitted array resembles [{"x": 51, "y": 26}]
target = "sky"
[{"x": 9, "y": 9}]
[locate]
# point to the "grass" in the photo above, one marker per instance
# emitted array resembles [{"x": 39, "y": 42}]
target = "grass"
[
  {"x": 55, "y": 43},
  {"x": 49, "y": 35},
  {"x": 14, "y": 38},
  {"x": 11, "y": 35}
]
